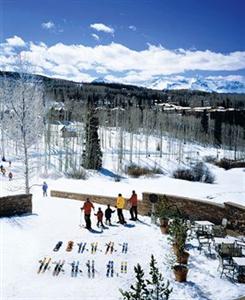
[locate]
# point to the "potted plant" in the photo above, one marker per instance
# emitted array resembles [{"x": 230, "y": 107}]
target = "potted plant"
[
  {"x": 178, "y": 234},
  {"x": 163, "y": 214}
]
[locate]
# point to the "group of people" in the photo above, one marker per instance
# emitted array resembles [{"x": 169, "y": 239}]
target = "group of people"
[
  {"x": 119, "y": 205},
  {"x": 3, "y": 170}
]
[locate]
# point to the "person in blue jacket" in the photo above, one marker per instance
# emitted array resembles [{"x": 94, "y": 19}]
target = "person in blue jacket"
[{"x": 45, "y": 189}]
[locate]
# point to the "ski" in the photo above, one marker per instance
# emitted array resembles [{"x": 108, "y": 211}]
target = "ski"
[
  {"x": 125, "y": 269},
  {"x": 57, "y": 246},
  {"x": 125, "y": 248},
  {"x": 79, "y": 247},
  {"x": 108, "y": 267},
  {"x": 59, "y": 269},
  {"x": 112, "y": 247},
  {"x": 83, "y": 248},
  {"x": 56, "y": 267},
  {"x": 122, "y": 267},
  {"x": 112, "y": 268},
  {"x": 108, "y": 247},
  {"x": 76, "y": 269},
  {"x": 42, "y": 262},
  {"x": 46, "y": 265},
  {"x": 95, "y": 247},
  {"x": 93, "y": 269},
  {"x": 92, "y": 248},
  {"x": 89, "y": 268},
  {"x": 72, "y": 268}
]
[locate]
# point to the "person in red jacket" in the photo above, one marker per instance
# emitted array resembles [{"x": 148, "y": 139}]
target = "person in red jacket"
[
  {"x": 133, "y": 206},
  {"x": 99, "y": 215},
  {"x": 87, "y": 207}
]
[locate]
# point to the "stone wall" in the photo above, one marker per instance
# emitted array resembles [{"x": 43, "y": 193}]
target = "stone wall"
[
  {"x": 194, "y": 209},
  {"x": 143, "y": 207},
  {"x": 15, "y": 205}
]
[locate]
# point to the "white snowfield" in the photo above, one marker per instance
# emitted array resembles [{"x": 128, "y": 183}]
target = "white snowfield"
[{"x": 26, "y": 240}]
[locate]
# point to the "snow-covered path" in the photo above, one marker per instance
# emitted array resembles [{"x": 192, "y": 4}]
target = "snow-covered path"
[{"x": 25, "y": 240}]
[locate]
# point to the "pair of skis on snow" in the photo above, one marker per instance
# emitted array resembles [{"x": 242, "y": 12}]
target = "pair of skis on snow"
[
  {"x": 90, "y": 269},
  {"x": 81, "y": 247},
  {"x": 124, "y": 267},
  {"x": 125, "y": 247},
  {"x": 44, "y": 264},
  {"x": 110, "y": 269},
  {"x": 94, "y": 247},
  {"x": 75, "y": 268},
  {"x": 109, "y": 248},
  {"x": 58, "y": 267}
]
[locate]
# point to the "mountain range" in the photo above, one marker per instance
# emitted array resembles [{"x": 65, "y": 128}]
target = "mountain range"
[{"x": 229, "y": 84}]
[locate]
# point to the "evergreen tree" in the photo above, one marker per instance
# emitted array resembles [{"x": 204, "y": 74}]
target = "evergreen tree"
[
  {"x": 139, "y": 290},
  {"x": 157, "y": 288},
  {"x": 92, "y": 155},
  {"x": 204, "y": 121}
]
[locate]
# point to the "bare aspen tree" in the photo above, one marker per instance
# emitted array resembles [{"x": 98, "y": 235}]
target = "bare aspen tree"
[{"x": 26, "y": 117}]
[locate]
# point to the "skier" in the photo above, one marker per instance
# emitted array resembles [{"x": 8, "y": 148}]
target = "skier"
[
  {"x": 108, "y": 213},
  {"x": 120, "y": 203},
  {"x": 3, "y": 171},
  {"x": 45, "y": 188},
  {"x": 87, "y": 207},
  {"x": 10, "y": 176},
  {"x": 133, "y": 206},
  {"x": 99, "y": 215}
]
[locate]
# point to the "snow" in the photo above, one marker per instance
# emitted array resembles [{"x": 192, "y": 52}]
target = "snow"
[{"x": 26, "y": 240}]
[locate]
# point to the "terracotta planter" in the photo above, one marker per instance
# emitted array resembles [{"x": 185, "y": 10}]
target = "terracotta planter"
[
  {"x": 175, "y": 249},
  {"x": 183, "y": 258},
  {"x": 164, "y": 229},
  {"x": 241, "y": 278},
  {"x": 180, "y": 273}
]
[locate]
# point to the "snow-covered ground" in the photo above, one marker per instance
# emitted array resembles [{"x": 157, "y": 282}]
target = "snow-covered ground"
[{"x": 26, "y": 240}]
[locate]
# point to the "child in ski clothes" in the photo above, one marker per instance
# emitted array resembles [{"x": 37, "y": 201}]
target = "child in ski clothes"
[
  {"x": 133, "y": 200},
  {"x": 45, "y": 188},
  {"x": 120, "y": 203},
  {"x": 10, "y": 176},
  {"x": 99, "y": 215},
  {"x": 87, "y": 207},
  {"x": 108, "y": 213}
]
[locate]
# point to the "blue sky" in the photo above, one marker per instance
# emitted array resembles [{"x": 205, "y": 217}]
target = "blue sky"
[{"x": 174, "y": 37}]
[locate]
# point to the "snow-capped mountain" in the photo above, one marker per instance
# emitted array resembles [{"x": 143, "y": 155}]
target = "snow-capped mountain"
[
  {"x": 219, "y": 84},
  {"x": 228, "y": 84}
]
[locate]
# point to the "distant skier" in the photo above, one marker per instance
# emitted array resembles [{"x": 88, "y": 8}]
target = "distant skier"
[
  {"x": 87, "y": 207},
  {"x": 9, "y": 163},
  {"x": 133, "y": 200},
  {"x": 108, "y": 213},
  {"x": 3, "y": 158},
  {"x": 45, "y": 189},
  {"x": 99, "y": 216},
  {"x": 120, "y": 203},
  {"x": 3, "y": 170},
  {"x": 10, "y": 176}
]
